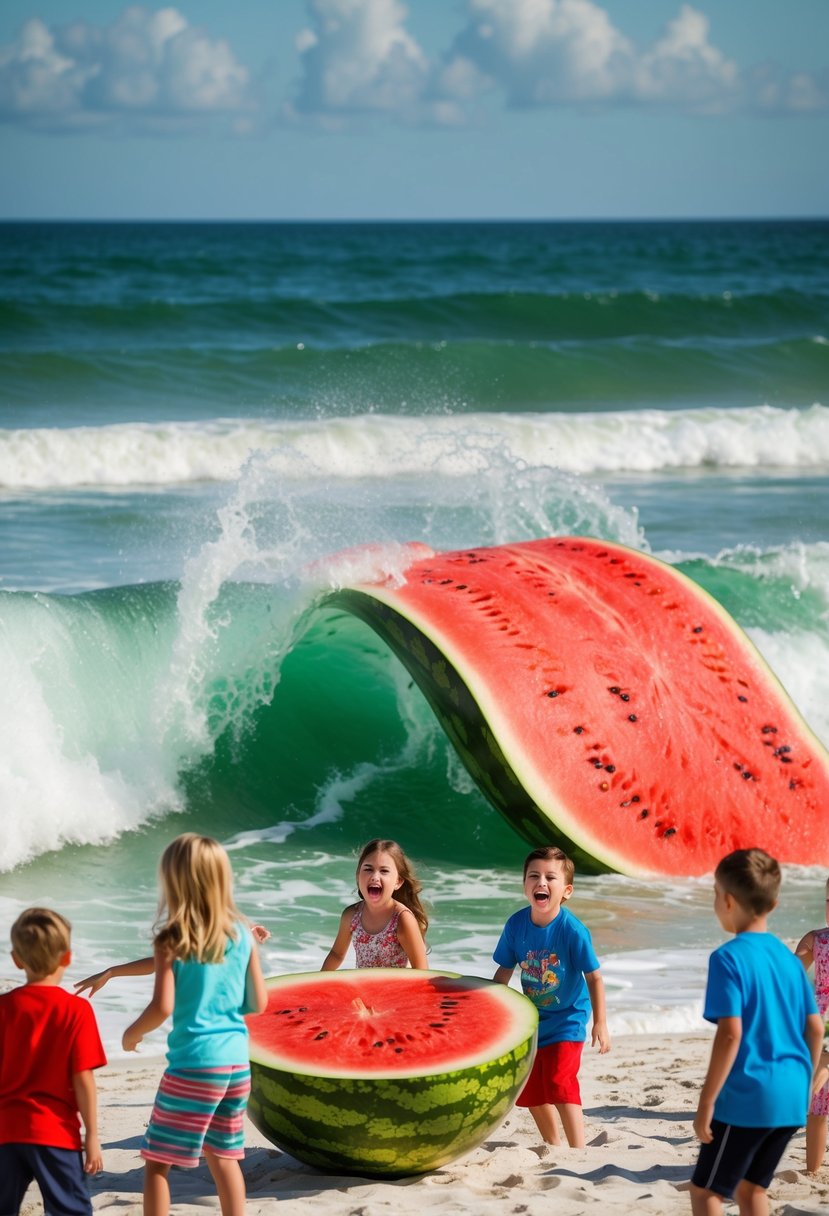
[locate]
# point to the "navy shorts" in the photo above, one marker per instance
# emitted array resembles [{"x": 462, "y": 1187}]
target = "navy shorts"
[
  {"x": 57, "y": 1171},
  {"x": 736, "y": 1153}
]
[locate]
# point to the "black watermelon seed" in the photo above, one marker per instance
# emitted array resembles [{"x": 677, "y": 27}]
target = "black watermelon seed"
[
  {"x": 636, "y": 798},
  {"x": 379, "y": 1043},
  {"x": 398, "y": 1050},
  {"x": 578, "y": 730},
  {"x": 610, "y": 768},
  {"x": 323, "y": 1034},
  {"x": 781, "y": 751},
  {"x": 390, "y": 1040},
  {"x": 624, "y": 697},
  {"x": 737, "y": 765},
  {"x": 742, "y": 698},
  {"x": 302, "y": 1009},
  {"x": 670, "y": 831},
  {"x": 631, "y": 717},
  {"x": 769, "y": 730},
  {"x": 746, "y": 775},
  {"x": 598, "y": 764},
  {"x": 553, "y": 692},
  {"x": 792, "y": 785},
  {"x": 785, "y": 759},
  {"x": 644, "y": 814},
  {"x": 614, "y": 690},
  {"x": 697, "y": 629}
]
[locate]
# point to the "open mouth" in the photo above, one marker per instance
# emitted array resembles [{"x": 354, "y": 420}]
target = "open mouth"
[
  {"x": 374, "y": 889},
  {"x": 542, "y": 898}
]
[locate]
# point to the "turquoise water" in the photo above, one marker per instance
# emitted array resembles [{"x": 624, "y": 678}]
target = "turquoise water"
[{"x": 194, "y": 418}]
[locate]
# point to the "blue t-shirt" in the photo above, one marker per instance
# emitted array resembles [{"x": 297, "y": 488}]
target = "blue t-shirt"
[
  {"x": 209, "y": 1028},
  {"x": 756, "y": 978},
  {"x": 552, "y": 960}
]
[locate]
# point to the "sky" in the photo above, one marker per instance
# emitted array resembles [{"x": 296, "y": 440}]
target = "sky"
[{"x": 376, "y": 109}]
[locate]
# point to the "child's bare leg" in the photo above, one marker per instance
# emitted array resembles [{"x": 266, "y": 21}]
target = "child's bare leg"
[
  {"x": 545, "y": 1121},
  {"x": 815, "y": 1142},
  {"x": 705, "y": 1203},
  {"x": 572, "y": 1120},
  {"x": 156, "y": 1189},
  {"x": 753, "y": 1200},
  {"x": 230, "y": 1185}
]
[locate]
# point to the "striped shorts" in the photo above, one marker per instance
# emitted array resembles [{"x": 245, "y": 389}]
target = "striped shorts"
[{"x": 197, "y": 1109}]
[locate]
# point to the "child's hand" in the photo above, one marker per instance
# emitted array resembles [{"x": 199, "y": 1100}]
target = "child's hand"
[
  {"x": 702, "y": 1122},
  {"x": 93, "y": 1160},
  {"x": 130, "y": 1039},
  {"x": 601, "y": 1035},
  {"x": 92, "y": 982},
  {"x": 260, "y": 933}
]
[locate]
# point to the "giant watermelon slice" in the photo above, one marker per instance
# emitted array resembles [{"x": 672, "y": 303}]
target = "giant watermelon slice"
[
  {"x": 386, "y": 1072},
  {"x": 604, "y": 701}
]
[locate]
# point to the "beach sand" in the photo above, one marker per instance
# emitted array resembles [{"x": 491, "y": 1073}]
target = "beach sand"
[{"x": 639, "y": 1102}]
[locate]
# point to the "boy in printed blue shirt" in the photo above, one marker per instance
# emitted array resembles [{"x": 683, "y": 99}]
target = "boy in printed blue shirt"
[
  {"x": 560, "y": 975},
  {"x": 767, "y": 1045}
]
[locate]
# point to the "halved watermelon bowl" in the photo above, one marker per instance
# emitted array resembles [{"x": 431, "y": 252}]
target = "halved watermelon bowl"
[{"x": 386, "y": 1072}]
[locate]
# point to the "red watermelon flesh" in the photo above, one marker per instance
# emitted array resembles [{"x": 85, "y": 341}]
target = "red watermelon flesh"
[
  {"x": 366, "y": 1022},
  {"x": 604, "y": 701}
]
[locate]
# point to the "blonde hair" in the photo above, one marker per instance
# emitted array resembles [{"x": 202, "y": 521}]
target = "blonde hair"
[
  {"x": 40, "y": 938},
  {"x": 196, "y": 912},
  {"x": 408, "y": 893}
]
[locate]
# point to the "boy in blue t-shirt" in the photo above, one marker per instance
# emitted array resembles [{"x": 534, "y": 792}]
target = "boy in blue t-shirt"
[
  {"x": 560, "y": 975},
  {"x": 767, "y": 1046}
]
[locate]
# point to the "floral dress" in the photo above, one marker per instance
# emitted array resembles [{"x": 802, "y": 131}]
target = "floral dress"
[
  {"x": 820, "y": 953},
  {"x": 378, "y": 949}
]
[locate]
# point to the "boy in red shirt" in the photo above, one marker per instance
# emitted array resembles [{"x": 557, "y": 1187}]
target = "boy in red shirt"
[{"x": 49, "y": 1045}]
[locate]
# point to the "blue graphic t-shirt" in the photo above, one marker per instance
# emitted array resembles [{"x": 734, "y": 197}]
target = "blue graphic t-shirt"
[
  {"x": 553, "y": 960},
  {"x": 756, "y": 978}
]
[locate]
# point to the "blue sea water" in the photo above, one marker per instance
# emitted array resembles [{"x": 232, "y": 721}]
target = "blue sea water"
[{"x": 195, "y": 417}]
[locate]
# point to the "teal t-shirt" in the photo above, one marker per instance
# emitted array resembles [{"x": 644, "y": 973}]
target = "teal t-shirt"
[
  {"x": 756, "y": 978},
  {"x": 208, "y": 1016}
]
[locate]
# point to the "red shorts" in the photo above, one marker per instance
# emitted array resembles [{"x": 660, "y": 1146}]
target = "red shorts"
[{"x": 554, "y": 1079}]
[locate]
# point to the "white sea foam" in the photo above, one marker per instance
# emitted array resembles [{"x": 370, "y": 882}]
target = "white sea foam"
[{"x": 379, "y": 446}]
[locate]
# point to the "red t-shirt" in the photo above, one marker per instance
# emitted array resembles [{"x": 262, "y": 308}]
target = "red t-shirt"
[{"x": 46, "y": 1035}]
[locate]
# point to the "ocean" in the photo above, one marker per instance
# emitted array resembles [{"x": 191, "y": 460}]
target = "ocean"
[{"x": 195, "y": 417}]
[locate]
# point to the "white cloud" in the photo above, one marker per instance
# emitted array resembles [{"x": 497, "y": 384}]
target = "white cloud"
[
  {"x": 568, "y": 52},
  {"x": 358, "y": 57},
  {"x": 146, "y": 65}
]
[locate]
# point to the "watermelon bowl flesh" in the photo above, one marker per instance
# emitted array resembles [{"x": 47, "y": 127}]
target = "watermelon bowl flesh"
[
  {"x": 605, "y": 702},
  {"x": 386, "y": 1072}
]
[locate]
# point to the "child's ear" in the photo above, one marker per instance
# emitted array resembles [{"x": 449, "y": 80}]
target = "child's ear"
[
  {"x": 65, "y": 959},
  {"x": 17, "y": 961}
]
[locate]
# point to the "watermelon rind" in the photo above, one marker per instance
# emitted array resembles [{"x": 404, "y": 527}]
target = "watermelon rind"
[
  {"x": 390, "y": 1123},
  {"x": 518, "y": 649}
]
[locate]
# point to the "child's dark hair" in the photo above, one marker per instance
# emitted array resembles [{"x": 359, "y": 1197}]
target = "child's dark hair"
[
  {"x": 40, "y": 939},
  {"x": 409, "y": 893},
  {"x": 751, "y": 877},
  {"x": 551, "y": 853}
]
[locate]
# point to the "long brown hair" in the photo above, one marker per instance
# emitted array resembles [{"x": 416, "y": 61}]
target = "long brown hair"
[
  {"x": 409, "y": 892},
  {"x": 196, "y": 912}
]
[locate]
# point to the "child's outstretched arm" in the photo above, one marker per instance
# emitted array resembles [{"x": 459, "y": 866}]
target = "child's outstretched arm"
[
  {"x": 600, "y": 1034},
  {"x": 411, "y": 939},
  {"x": 86, "y": 1096},
  {"x": 335, "y": 956},
  {"x": 138, "y": 966},
  {"x": 159, "y": 1008},
  {"x": 723, "y": 1054}
]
